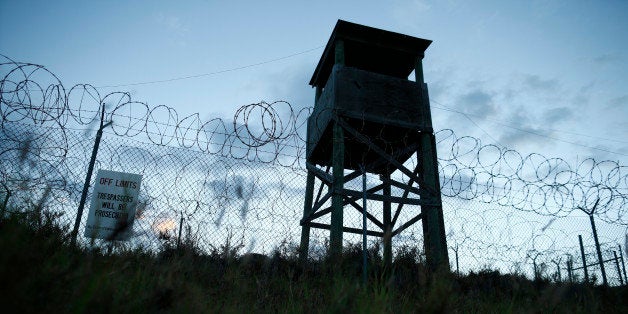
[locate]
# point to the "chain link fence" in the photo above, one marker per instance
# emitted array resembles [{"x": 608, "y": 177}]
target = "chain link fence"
[{"x": 243, "y": 181}]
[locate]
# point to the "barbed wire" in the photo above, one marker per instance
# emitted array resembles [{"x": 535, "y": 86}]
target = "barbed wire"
[
  {"x": 224, "y": 173},
  {"x": 273, "y": 133}
]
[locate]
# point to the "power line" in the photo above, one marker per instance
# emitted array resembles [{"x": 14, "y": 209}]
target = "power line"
[
  {"x": 212, "y": 73},
  {"x": 510, "y": 125},
  {"x": 443, "y": 107}
]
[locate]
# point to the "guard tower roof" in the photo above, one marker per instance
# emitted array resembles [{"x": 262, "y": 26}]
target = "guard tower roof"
[{"x": 370, "y": 49}]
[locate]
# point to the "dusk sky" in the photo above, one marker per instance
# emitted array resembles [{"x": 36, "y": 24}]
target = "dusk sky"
[{"x": 538, "y": 76}]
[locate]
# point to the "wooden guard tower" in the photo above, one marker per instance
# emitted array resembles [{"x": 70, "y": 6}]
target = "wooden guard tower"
[{"x": 369, "y": 117}]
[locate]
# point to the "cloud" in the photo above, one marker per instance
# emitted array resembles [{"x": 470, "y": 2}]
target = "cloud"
[
  {"x": 535, "y": 82},
  {"x": 173, "y": 23},
  {"x": 406, "y": 12},
  {"x": 523, "y": 135},
  {"x": 520, "y": 116},
  {"x": 291, "y": 84},
  {"x": 173, "y": 28},
  {"x": 477, "y": 102},
  {"x": 583, "y": 95},
  {"x": 546, "y": 8},
  {"x": 555, "y": 115},
  {"x": 620, "y": 102},
  {"x": 439, "y": 88},
  {"x": 522, "y": 131},
  {"x": 601, "y": 152},
  {"x": 607, "y": 58}
]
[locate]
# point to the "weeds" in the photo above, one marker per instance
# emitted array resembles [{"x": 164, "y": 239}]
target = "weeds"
[{"x": 42, "y": 272}]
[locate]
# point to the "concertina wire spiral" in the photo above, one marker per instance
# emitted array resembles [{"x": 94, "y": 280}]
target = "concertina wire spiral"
[{"x": 273, "y": 133}]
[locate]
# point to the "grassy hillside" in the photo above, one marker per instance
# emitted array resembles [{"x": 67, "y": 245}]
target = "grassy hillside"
[{"x": 40, "y": 272}]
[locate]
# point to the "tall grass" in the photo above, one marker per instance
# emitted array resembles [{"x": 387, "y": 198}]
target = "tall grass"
[{"x": 40, "y": 271}]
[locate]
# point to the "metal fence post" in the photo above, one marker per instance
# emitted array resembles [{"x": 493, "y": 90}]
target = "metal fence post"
[
  {"x": 88, "y": 177},
  {"x": 623, "y": 265},
  {"x": 304, "y": 247},
  {"x": 457, "y": 265},
  {"x": 180, "y": 228},
  {"x": 569, "y": 269},
  {"x": 621, "y": 280},
  {"x": 597, "y": 247},
  {"x": 6, "y": 199},
  {"x": 595, "y": 238},
  {"x": 584, "y": 260},
  {"x": 559, "y": 277}
]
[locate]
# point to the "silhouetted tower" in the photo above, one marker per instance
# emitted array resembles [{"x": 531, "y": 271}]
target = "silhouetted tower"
[{"x": 368, "y": 115}]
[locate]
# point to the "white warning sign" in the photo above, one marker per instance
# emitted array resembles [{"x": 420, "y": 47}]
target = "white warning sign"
[{"x": 114, "y": 200}]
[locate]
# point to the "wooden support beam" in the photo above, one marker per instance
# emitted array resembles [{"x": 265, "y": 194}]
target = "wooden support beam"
[
  {"x": 379, "y": 197},
  {"x": 323, "y": 176},
  {"x": 435, "y": 241},
  {"x": 320, "y": 203},
  {"x": 339, "y": 52},
  {"x": 401, "y": 185},
  {"x": 352, "y": 175},
  {"x": 382, "y": 153},
  {"x": 387, "y": 228},
  {"x": 407, "y": 224},
  {"x": 347, "y": 200},
  {"x": 320, "y": 188},
  {"x": 317, "y": 95},
  {"x": 305, "y": 230},
  {"x": 346, "y": 229},
  {"x": 369, "y": 216},
  {"x": 352, "y": 201},
  {"x": 318, "y": 214},
  {"x": 395, "y": 155},
  {"x": 405, "y": 194},
  {"x": 418, "y": 70},
  {"x": 338, "y": 157}
]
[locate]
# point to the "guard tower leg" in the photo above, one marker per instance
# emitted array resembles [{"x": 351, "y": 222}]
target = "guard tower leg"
[
  {"x": 304, "y": 248},
  {"x": 338, "y": 155},
  {"x": 433, "y": 223},
  {"x": 435, "y": 240},
  {"x": 387, "y": 239},
  {"x": 338, "y": 158}
]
